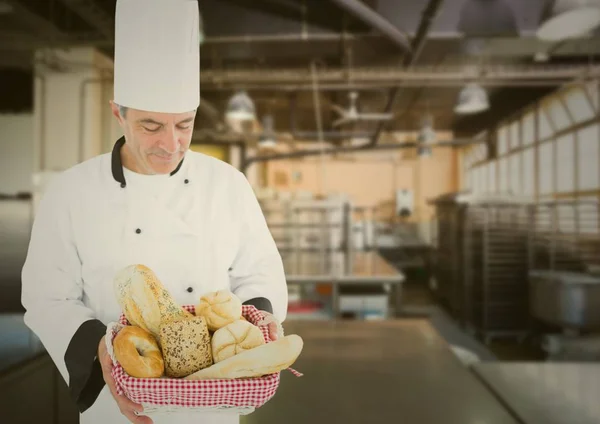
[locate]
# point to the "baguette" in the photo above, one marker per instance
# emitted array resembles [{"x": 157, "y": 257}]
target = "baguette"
[
  {"x": 144, "y": 300},
  {"x": 269, "y": 358}
]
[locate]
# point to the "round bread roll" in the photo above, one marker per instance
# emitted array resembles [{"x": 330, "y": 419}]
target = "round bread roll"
[
  {"x": 138, "y": 353},
  {"x": 219, "y": 309},
  {"x": 235, "y": 338}
]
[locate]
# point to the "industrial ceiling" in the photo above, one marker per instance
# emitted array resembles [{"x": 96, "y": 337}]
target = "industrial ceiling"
[{"x": 410, "y": 58}]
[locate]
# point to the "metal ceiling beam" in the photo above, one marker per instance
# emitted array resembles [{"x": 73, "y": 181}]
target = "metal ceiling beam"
[
  {"x": 351, "y": 149},
  {"x": 93, "y": 15},
  {"x": 15, "y": 41},
  {"x": 382, "y": 85},
  {"x": 367, "y": 15},
  {"x": 35, "y": 22},
  {"x": 417, "y": 47},
  {"x": 421, "y": 75}
]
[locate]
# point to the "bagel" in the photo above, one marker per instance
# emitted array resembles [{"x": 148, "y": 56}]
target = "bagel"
[{"x": 138, "y": 353}]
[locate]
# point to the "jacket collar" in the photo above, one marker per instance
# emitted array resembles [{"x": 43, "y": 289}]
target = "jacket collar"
[{"x": 117, "y": 165}]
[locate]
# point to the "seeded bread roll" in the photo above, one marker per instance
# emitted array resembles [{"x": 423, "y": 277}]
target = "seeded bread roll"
[{"x": 186, "y": 346}]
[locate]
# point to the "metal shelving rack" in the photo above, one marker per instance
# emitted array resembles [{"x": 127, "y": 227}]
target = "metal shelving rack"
[
  {"x": 497, "y": 242},
  {"x": 481, "y": 262}
]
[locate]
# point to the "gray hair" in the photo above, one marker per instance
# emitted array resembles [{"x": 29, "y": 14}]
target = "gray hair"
[{"x": 123, "y": 110}]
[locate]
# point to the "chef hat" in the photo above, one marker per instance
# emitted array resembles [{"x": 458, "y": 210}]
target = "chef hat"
[{"x": 157, "y": 55}]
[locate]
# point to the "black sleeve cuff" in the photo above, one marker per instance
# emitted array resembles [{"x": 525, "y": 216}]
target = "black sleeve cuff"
[
  {"x": 260, "y": 303},
  {"x": 85, "y": 373}
]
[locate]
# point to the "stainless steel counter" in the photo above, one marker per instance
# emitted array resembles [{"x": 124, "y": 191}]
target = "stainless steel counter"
[
  {"x": 357, "y": 267},
  {"x": 15, "y": 226},
  {"x": 341, "y": 270},
  {"x": 546, "y": 393},
  {"x": 378, "y": 372},
  {"x": 18, "y": 344}
]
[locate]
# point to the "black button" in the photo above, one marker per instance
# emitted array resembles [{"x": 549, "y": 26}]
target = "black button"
[
  {"x": 122, "y": 185},
  {"x": 186, "y": 181},
  {"x": 138, "y": 231},
  {"x": 230, "y": 269},
  {"x": 190, "y": 289}
]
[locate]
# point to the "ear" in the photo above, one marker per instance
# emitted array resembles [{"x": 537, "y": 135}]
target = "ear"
[{"x": 116, "y": 113}]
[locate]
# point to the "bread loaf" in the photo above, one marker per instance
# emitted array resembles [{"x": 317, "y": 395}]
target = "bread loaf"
[
  {"x": 235, "y": 338},
  {"x": 138, "y": 353},
  {"x": 219, "y": 309},
  {"x": 186, "y": 346},
  {"x": 266, "y": 359},
  {"x": 144, "y": 300}
]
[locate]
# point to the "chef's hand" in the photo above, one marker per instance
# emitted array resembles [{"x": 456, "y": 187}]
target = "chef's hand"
[
  {"x": 126, "y": 406},
  {"x": 273, "y": 324}
]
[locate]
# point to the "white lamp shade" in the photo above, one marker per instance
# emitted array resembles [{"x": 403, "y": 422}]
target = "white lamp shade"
[
  {"x": 567, "y": 19},
  {"x": 424, "y": 151},
  {"x": 472, "y": 99},
  {"x": 267, "y": 142},
  {"x": 427, "y": 135},
  {"x": 240, "y": 107}
]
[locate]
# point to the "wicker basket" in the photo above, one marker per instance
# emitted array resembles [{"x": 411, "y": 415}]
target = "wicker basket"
[{"x": 173, "y": 394}]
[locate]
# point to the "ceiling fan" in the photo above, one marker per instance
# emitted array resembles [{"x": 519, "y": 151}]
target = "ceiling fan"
[{"x": 352, "y": 115}]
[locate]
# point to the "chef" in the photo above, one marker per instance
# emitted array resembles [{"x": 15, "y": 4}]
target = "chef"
[{"x": 194, "y": 220}]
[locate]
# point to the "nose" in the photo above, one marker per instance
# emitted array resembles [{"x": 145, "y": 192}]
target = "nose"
[{"x": 170, "y": 142}]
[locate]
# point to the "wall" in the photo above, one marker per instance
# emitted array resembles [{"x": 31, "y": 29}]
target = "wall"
[
  {"x": 16, "y": 153},
  {"x": 371, "y": 178}
]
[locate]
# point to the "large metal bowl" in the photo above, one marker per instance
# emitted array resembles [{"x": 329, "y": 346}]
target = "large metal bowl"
[{"x": 566, "y": 299}]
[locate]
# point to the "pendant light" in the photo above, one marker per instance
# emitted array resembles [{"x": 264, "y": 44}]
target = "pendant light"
[
  {"x": 240, "y": 108},
  {"x": 267, "y": 139},
  {"x": 427, "y": 136},
  {"x": 567, "y": 19},
  {"x": 472, "y": 99}
]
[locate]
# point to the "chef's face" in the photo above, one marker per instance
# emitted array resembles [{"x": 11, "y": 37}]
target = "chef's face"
[{"x": 155, "y": 142}]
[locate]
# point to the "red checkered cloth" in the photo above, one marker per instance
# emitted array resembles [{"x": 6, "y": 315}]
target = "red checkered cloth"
[{"x": 209, "y": 393}]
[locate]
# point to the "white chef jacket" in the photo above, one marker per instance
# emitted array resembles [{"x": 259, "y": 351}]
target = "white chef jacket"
[{"x": 200, "y": 229}]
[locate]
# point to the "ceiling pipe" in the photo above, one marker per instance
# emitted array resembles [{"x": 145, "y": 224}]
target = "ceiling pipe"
[
  {"x": 387, "y": 84},
  {"x": 417, "y": 47},
  {"x": 361, "y": 11},
  {"x": 351, "y": 149}
]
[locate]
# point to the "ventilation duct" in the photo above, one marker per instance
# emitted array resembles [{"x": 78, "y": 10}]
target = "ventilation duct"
[
  {"x": 566, "y": 19},
  {"x": 481, "y": 18},
  {"x": 472, "y": 99}
]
